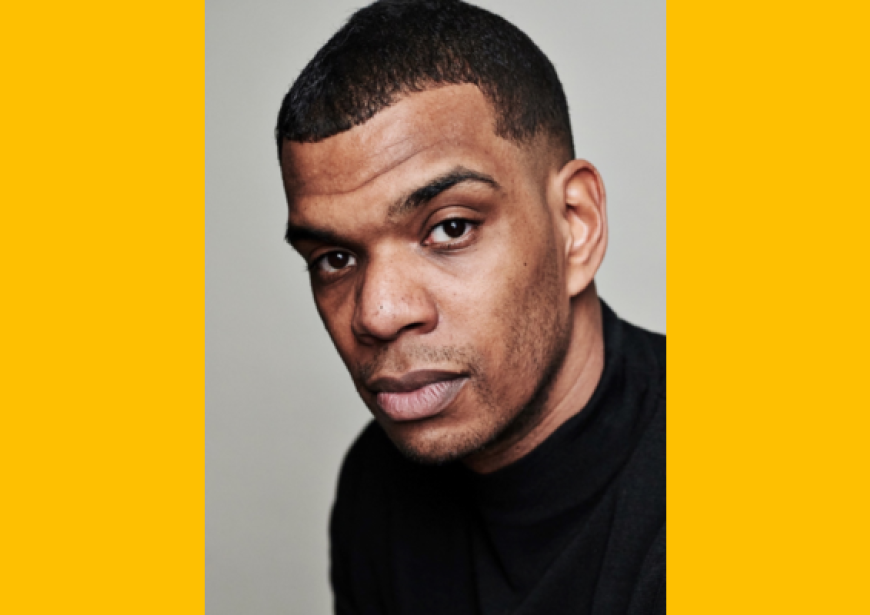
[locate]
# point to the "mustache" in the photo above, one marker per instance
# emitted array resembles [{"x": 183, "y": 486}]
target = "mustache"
[{"x": 399, "y": 361}]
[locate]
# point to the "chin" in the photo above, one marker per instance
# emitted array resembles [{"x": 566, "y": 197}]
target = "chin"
[{"x": 436, "y": 445}]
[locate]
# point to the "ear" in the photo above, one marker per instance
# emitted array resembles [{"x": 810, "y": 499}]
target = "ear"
[{"x": 583, "y": 219}]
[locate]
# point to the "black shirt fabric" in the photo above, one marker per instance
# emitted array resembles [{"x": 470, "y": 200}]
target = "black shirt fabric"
[{"x": 576, "y": 526}]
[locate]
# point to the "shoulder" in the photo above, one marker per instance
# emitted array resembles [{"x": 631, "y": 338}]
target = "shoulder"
[
  {"x": 649, "y": 596},
  {"x": 633, "y": 569},
  {"x": 646, "y": 363},
  {"x": 647, "y": 349},
  {"x": 358, "y": 516},
  {"x": 364, "y": 465}
]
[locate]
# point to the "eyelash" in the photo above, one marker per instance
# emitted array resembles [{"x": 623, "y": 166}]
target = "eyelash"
[
  {"x": 313, "y": 265},
  {"x": 471, "y": 226}
]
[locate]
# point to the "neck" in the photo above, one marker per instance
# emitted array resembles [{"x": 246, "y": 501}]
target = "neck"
[{"x": 571, "y": 389}]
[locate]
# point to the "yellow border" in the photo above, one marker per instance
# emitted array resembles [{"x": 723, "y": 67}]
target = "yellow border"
[
  {"x": 102, "y": 341},
  {"x": 768, "y": 251},
  {"x": 102, "y": 333}
]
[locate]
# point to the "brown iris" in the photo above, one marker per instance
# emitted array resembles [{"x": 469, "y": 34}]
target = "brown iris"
[
  {"x": 454, "y": 228},
  {"x": 337, "y": 260}
]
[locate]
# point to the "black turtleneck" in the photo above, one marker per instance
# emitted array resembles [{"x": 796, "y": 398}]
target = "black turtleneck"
[{"x": 576, "y": 526}]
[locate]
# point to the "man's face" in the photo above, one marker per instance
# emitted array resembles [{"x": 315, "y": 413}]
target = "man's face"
[{"x": 436, "y": 268}]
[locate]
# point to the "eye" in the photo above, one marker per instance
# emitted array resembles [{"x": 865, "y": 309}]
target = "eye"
[
  {"x": 334, "y": 262},
  {"x": 449, "y": 230}
]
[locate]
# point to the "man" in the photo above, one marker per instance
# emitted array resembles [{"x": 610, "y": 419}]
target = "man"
[{"x": 516, "y": 461}]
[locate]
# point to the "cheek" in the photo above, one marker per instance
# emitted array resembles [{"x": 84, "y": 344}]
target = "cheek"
[
  {"x": 336, "y": 314},
  {"x": 535, "y": 313},
  {"x": 508, "y": 304}
]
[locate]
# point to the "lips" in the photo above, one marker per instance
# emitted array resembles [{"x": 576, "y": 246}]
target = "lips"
[{"x": 417, "y": 395}]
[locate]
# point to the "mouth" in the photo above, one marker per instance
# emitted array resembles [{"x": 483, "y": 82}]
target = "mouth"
[{"x": 417, "y": 395}]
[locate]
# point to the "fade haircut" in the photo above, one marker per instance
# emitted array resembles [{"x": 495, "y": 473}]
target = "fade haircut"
[{"x": 393, "y": 48}]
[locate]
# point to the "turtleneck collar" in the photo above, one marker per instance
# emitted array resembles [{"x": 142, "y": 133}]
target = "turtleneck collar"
[{"x": 579, "y": 459}]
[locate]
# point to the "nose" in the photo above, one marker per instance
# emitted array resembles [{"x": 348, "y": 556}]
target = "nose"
[{"x": 392, "y": 298}]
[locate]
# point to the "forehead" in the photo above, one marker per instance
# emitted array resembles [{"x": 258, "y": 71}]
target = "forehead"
[{"x": 425, "y": 132}]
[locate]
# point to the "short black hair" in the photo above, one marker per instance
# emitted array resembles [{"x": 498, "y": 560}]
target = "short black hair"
[{"x": 392, "y": 48}]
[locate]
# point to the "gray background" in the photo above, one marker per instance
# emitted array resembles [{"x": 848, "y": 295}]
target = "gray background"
[{"x": 280, "y": 409}]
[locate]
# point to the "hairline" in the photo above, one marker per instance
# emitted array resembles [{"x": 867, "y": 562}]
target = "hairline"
[{"x": 531, "y": 141}]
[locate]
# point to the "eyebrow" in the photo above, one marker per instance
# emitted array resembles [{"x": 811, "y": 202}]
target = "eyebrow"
[
  {"x": 442, "y": 183},
  {"x": 303, "y": 233},
  {"x": 417, "y": 198}
]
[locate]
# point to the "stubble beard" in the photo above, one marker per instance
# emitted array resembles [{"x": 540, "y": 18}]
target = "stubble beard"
[
  {"x": 528, "y": 415},
  {"x": 503, "y": 427},
  {"x": 539, "y": 342}
]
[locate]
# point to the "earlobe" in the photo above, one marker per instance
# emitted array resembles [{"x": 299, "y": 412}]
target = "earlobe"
[{"x": 585, "y": 217}]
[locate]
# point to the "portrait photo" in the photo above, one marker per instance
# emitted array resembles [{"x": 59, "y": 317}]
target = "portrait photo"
[{"x": 435, "y": 307}]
